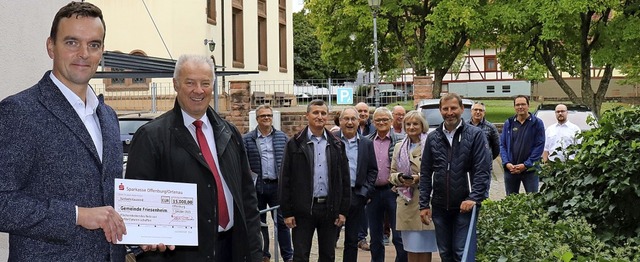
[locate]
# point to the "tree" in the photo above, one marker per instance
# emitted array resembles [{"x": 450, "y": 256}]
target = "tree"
[
  {"x": 428, "y": 35},
  {"x": 566, "y": 36},
  {"x": 307, "y": 61}
]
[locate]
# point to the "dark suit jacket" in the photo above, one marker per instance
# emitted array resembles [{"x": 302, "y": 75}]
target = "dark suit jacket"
[
  {"x": 366, "y": 168},
  {"x": 48, "y": 165},
  {"x": 164, "y": 150},
  {"x": 296, "y": 177}
]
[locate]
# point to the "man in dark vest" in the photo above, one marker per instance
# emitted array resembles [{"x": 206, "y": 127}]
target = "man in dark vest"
[{"x": 265, "y": 149}]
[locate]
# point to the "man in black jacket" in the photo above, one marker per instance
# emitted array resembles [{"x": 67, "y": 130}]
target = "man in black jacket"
[
  {"x": 478, "y": 111},
  {"x": 193, "y": 144},
  {"x": 456, "y": 156},
  {"x": 314, "y": 186},
  {"x": 363, "y": 172}
]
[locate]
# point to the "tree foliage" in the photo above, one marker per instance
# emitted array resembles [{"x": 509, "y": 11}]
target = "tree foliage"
[
  {"x": 308, "y": 62},
  {"x": 427, "y": 34},
  {"x": 566, "y": 36},
  {"x": 602, "y": 183}
]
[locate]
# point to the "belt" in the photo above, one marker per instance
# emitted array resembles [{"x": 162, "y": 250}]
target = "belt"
[
  {"x": 270, "y": 181},
  {"x": 319, "y": 200},
  {"x": 383, "y": 187},
  {"x": 224, "y": 234}
]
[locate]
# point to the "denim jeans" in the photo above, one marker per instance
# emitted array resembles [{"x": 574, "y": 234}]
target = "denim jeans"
[
  {"x": 512, "y": 182},
  {"x": 269, "y": 196},
  {"x": 451, "y": 233},
  {"x": 383, "y": 201}
]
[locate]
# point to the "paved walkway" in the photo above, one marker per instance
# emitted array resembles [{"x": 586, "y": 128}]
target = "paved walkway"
[{"x": 496, "y": 192}]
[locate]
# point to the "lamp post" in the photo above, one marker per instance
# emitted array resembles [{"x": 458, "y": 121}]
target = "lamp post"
[
  {"x": 216, "y": 96},
  {"x": 375, "y": 6}
]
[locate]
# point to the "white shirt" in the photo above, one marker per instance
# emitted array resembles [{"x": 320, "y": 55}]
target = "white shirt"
[
  {"x": 208, "y": 134},
  {"x": 560, "y": 135},
  {"x": 450, "y": 135},
  {"x": 86, "y": 112}
]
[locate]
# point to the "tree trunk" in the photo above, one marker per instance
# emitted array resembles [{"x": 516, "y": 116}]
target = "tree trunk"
[
  {"x": 438, "y": 75},
  {"x": 598, "y": 98},
  {"x": 548, "y": 61}
]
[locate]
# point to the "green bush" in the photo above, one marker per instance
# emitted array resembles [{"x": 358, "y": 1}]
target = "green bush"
[
  {"x": 518, "y": 228},
  {"x": 602, "y": 183}
]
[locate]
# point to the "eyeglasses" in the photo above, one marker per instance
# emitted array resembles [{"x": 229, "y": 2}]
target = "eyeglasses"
[
  {"x": 265, "y": 116},
  {"x": 382, "y": 120}
]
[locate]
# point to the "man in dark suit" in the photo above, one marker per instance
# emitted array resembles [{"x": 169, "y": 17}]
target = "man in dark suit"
[
  {"x": 193, "y": 144},
  {"x": 314, "y": 186},
  {"x": 265, "y": 149},
  {"x": 61, "y": 152},
  {"x": 363, "y": 171}
]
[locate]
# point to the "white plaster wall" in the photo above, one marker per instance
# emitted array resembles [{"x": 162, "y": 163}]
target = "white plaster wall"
[
  {"x": 183, "y": 26},
  {"x": 24, "y": 28}
]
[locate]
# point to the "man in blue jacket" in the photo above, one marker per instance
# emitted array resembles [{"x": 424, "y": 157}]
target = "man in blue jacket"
[
  {"x": 265, "y": 149},
  {"x": 60, "y": 153},
  {"x": 457, "y": 157},
  {"x": 521, "y": 147}
]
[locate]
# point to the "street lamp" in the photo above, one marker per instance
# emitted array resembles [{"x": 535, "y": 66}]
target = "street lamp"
[
  {"x": 375, "y": 6},
  {"x": 211, "y": 44}
]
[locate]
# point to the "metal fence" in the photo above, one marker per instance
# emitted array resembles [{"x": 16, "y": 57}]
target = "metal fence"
[{"x": 160, "y": 96}]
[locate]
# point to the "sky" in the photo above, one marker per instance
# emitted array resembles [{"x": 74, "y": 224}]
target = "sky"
[{"x": 297, "y": 5}]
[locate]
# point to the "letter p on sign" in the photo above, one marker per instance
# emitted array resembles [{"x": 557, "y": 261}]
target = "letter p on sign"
[{"x": 345, "y": 96}]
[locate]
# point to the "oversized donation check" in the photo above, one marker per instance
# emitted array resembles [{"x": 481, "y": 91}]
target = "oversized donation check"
[{"x": 157, "y": 212}]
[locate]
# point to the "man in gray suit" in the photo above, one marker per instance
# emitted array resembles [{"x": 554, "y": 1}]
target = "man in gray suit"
[{"x": 61, "y": 152}]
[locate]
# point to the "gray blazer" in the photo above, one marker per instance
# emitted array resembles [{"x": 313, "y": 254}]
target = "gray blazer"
[{"x": 48, "y": 165}]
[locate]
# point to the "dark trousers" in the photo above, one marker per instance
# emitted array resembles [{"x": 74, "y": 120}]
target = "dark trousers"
[
  {"x": 269, "y": 196},
  {"x": 383, "y": 201},
  {"x": 306, "y": 224},
  {"x": 364, "y": 228},
  {"x": 451, "y": 233},
  {"x": 352, "y": 228},
  {"x": 512, "y": 182},
  {"x": 224, "y": 246}
]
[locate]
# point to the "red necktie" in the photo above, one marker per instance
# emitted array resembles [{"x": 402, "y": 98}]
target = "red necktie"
[{"x": 223, "y": 211}]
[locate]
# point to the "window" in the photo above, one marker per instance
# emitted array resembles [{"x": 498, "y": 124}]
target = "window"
[
  {"x": 282, "y": 20},
  {"x": 237, "y": 34},
  {"x": 262, "y": 35},
  {"x": 117, "y": 81},
  {"x": 211, "y": 12},
  {"x": 127, "y": 84},
  {"x": 491, "y": 89},
  {"x": 506, "y": 89},
  {"x": 490, "y": 63}
]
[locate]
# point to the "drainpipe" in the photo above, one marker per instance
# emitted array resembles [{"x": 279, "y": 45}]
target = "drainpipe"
[{"x": 224, "y": 48}]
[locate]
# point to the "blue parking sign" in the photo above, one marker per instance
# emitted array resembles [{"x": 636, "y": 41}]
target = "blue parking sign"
[{"x": 345, "y": 96}]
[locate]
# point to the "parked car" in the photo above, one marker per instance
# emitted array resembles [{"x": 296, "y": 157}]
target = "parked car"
[
  {"x": 430, "y": 109},
  {"x": 388, "y": 96},
  {"x": 577, "y": 114},
  {"x": 304, "y": 97},
  {"x": 129, "y": 124}
]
